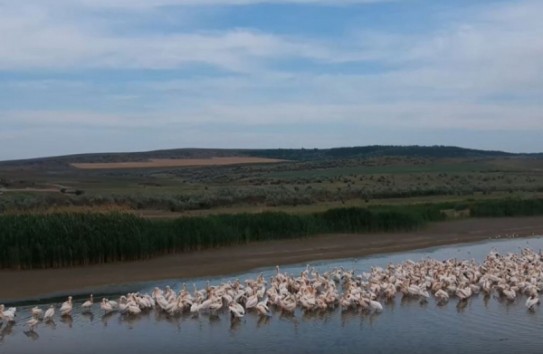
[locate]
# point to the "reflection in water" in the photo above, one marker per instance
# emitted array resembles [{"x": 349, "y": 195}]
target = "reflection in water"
[
  {"x": 491, "y": 325},
  {"x": 373, "y": 318},
  {"x": 349, "y": 315},
  {"x": 6, "y": 330},
  {"x": 235, "y": 323},
  {"x": 67, "y": 319},
  {"x": 107, "y": 317},
  {"x": 88, "y": 315},
  {"x": 263, "y": 321},
  {"x": 131, "y": 320},
  {"x": 406, "y": 300},
  {"x": 461, "y": 305},
  {"x": 214, "y": 319},
  {"x": 32, "y": 334},
  {"x": 51, "y": 324}
]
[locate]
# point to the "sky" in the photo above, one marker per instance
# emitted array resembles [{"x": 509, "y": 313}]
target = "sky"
[{"x": 80, "y": 76}]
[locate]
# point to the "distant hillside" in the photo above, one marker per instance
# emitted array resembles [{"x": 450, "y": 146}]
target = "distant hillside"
[
  {"x": 286, "y": 154},
  {"x": 378, "y": 151},
  {"x": 66, "y": 160}
]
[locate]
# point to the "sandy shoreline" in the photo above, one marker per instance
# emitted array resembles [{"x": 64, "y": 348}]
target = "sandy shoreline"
[{"x": 18, "y": 285}]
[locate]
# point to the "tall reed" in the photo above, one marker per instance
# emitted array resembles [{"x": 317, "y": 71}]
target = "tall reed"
[{"x": 75, "y": 239}]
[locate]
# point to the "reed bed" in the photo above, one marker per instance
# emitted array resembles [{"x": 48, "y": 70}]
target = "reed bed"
[
  {"x": 55, "y": 240},
  {"x": 75, "y": 239}
]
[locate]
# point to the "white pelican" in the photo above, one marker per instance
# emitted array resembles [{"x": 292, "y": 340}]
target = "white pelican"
[
  {"x": 32, "y": 323},
  {"x": 262, "y": 307},
  {"x": 251, "y": 301},
  {"x": 87, "y": 305},
  {"x": 113, "y": 304},
  {"x": 49, "y": 313},
  {"x": 236, "y": 310},
  {"x": 464, "y": 293},
  {"x": 66, "y": 308},
  {"x": 9, "y": 314},
  {"x": 37, "y": 312},
  {"x": 106, "y": 306},
  {"x": 510, "y": 294},
  {"x": 532, "y": 301},
  {"x": 376, "y": 306},
  {"x": 441, "y": 296},
  {"x": 133, "y": 309}
]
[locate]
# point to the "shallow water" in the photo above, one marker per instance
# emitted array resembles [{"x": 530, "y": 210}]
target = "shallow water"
[{"x": 485, "y": 325}]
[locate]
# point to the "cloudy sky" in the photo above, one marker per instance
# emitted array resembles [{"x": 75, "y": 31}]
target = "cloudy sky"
[{"x": 126, "y": 75}]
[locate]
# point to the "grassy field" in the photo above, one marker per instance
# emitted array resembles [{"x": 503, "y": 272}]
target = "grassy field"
[
  {"x": 167, "y": 163},
  {"x": 310, "y": 181}
]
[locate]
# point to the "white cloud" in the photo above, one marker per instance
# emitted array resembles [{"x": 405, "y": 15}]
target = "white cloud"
[
  {"x": 146, "y": 4},
  {"x": 424, "y": 115},
  {"x": 489, "y": 45},
  {"x": 481, "y": 73},
  {"x": 34, "y": 38}
]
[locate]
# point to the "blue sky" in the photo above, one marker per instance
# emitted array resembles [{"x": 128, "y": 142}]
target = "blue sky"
[{"x": 126, "y": 75}]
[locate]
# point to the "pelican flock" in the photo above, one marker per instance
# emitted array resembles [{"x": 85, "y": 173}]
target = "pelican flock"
[{"x": 508, "y": 277}]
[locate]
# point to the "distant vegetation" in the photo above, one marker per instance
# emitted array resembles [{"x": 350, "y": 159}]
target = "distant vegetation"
[
  {"x": 311, "y": 177},
  {"x": 73, "y": 239},
  {"x": 377, "y": 151},
  {"x": 287, "y": 154}
]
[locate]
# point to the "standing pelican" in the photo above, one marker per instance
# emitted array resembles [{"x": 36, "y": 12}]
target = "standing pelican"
[
  {"x": 106, "y": 306},
  {"x": 32, "y": 323},
  {"x": 66, "y": 308},
  {"x": 114, "y": 305},
  {"x": 8, "y": 315},
  {"x": 37, "y": 312},
  {"x": 236, "y": 310},
  {"x": 87, "y": 305},
  {"x": 49, "y": 313},
  {"x": 262, "y": 308},
  {"x": 376, "y": 306}
]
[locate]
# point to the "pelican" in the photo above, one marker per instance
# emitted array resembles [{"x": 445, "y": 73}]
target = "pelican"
[
  {"x": 106, "y": 306},
  {"x": 9, "y": 314},
  {"x": 532, "y": 301},
  {"x": 251, "y": 301},
  {"x": 376, "y": 306},
  {"x": 133, "y": 309},
  {"x": 87, "y": 305},
  {"x": 66, "y": 308},
  {"x": 37, "y": 312},
  {"x": 113, "y": 304},
  {"x": 464, "y": 294},
  {"x": 236, "y": 310},
  {"x": 262, "y": 307},
  {"x": 32, "y": 323},
  {"x": 442, "y": 296},
  {"x": 49, "y": 313},
  {"x": 510, "y": 294}
]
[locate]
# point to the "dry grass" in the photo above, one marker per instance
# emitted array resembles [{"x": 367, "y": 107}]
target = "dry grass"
[{"x": 154, "y": 163}]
